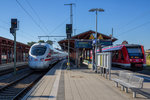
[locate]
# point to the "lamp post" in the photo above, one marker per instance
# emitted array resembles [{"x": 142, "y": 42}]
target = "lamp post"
[{"x": 96, "y": 10}]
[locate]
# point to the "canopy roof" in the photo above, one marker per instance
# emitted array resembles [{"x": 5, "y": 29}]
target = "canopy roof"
[{"x": 83, "y": 36}]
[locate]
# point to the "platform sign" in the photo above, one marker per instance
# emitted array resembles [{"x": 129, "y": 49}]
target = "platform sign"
[
  {"x": 105, "y": 42},
  {"x": 83, "y": 44}
]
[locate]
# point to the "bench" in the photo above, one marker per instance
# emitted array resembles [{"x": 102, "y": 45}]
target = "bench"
[
  {"x": 123, "y": 77},
  {"x": 129, "y": 80}
]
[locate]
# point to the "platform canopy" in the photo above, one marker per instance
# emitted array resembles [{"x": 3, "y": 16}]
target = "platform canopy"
[{"x": 88, "y": 35}]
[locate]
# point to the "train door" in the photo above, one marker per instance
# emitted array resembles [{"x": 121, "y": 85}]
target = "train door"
[
  {"x": 115, "y": 56},
  {"x": 120, "y": 56}
]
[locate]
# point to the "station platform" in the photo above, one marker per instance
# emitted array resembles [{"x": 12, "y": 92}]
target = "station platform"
[
  {"x": 11, "y": 65},
  {"x": 77, "y": 84}
]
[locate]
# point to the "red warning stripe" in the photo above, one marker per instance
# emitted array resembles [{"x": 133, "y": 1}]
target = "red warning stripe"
[{"x": 48, "y": 59}]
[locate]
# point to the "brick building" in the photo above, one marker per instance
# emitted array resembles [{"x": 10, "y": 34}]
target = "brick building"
[{"x": 7, "y": 48}]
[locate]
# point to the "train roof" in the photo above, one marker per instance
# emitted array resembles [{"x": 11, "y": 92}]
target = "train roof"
[
  {"x": 43, "y": 44},
  {"x": 118, "y": 47}
]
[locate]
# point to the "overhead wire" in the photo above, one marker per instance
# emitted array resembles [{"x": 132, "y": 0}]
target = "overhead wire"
[
  {"x": 4, "y": 22},
  {"x": 60, "y": 25},
  {"x": 30, "y": 16},
  {"x": 22, "y": 35},
  {"x": 2, "y": 27},
  {"x": 134, "y": 28},
  {"x": 7, "y": 29},
  {"x": 37, "y": 15},
  {"x": 135, "y": 19}
]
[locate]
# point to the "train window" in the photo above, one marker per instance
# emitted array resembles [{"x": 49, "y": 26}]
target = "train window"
[
  {"x": 135, "y": 52},
  {"x": 38, "y": 50}
]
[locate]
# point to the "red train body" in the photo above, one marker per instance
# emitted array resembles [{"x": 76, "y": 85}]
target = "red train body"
[{"x": 128, "y": 55}]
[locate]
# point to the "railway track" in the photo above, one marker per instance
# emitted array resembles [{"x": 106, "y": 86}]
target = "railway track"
[
  {"x": 17, "y": 87},
  {"x": 9, "y": 70}
]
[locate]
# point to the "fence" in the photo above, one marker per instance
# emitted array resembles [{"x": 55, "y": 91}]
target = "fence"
[{"x": 104, "y": 64}]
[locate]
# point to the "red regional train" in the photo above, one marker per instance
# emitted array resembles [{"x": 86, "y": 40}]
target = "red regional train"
[{"x": 130, "y": 56}]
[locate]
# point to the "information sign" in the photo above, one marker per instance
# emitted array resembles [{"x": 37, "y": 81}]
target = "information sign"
[
  {"x": 105, "y": 42},
  {"x": 83, "y": 44}
]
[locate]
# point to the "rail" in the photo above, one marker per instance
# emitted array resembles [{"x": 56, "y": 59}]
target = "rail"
[
  {"x": 104, "y": 64},
  {"x": 15, "y": 87}
]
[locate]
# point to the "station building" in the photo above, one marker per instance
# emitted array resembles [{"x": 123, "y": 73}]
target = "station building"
[
  {"x": 83, "y": 50},
  {"x": 7, "y": 51},
  {"x": 147, "y": 53}
]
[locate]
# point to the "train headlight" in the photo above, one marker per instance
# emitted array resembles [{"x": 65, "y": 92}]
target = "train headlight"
[{"x": 130, "y": 60}]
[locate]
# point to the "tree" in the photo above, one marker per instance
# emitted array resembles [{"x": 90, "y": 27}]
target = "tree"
[
  {"x": 31, "y": 43},
  {"x": 41, "y": 41},
  {"x": 49, "y": 42},
  {"x": 125, "y": 42}
]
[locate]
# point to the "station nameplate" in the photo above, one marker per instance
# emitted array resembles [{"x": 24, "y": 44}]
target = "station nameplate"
[{"x": 83, "y": 44}]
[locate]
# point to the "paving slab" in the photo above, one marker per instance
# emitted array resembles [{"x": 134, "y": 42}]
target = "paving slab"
[{"x": 77, "y": 84}]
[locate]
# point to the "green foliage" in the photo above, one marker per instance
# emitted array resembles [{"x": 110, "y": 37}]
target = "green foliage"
[
  {"x": 148, "y": 56},
  {"x": 31, "y": 43},
  {"x": 148, "y": 59},
  {"x": 49, "y": 42},
  {"x": 41, "y": 41}
]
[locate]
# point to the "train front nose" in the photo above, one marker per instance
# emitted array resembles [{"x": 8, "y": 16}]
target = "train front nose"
[
  {"x": 35, "y": 62},
  {"x": 38, "y": 63}
]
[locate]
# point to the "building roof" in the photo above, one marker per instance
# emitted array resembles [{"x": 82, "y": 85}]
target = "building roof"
[
  {"x": 147, "y": 51},
  {"x": 85, "y": 36},
  {"x": 10, "y": 42}
]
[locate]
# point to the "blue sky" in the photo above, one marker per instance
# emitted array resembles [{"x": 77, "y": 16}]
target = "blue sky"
[{"x": 130, "y": 19}]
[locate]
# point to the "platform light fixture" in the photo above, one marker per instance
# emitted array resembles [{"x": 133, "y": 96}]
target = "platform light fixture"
[{"x": 96, "y": 10}]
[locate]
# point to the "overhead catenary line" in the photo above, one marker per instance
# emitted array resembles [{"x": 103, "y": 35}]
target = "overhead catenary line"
[
  {"x": 30, "y": 16},
  {"x": 133, "y": 28},
  {"x": 2, "y": 27},
  {"x": 4, "y": 22},
  {"x": 135, "y": 19},
  {"x": 60, "y": 25},
  {"x": 37, "y": 15},
  {"x": 7, "y": 29},
  {"x": 22, "y": 35}
]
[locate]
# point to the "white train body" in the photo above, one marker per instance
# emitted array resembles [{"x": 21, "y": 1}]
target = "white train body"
[{"x": 43, "y": 55}]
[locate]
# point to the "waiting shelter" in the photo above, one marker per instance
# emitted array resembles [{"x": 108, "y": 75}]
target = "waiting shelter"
[{"x": 82, "y": 45}]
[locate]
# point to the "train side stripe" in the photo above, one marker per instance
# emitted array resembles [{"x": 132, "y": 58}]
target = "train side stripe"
[{"x": 48, "y": 59}]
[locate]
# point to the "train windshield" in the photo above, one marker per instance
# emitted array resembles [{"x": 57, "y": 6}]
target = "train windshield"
[
  {"x": 38, "y": 50},
  {"x": 135, "y": 52}
]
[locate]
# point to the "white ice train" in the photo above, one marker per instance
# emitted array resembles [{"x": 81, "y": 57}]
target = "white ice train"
[{"x": 43, "y": 55}]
